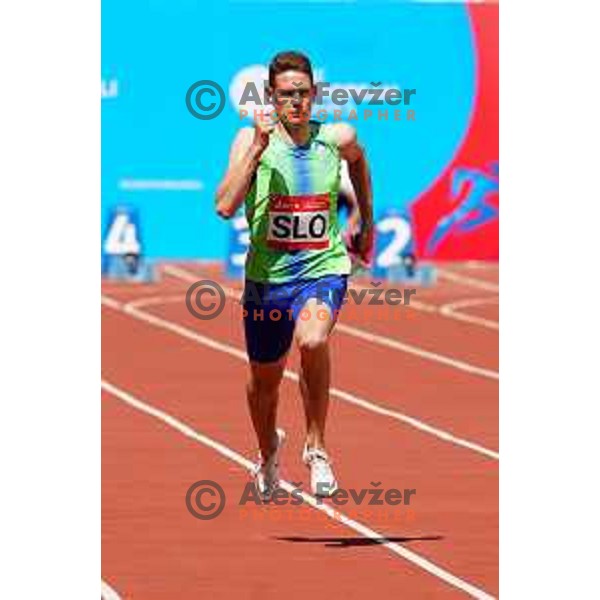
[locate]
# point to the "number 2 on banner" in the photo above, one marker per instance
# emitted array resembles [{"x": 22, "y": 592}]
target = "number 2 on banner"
[
  {"x": 400, "y": 228},
  {"x": 122, "y": 237}
]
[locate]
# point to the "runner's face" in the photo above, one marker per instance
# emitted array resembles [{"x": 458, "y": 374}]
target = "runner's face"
[{"x": 292, "y": 97}]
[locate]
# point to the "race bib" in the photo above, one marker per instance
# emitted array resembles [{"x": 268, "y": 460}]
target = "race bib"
[{"x": 298, "y": 222}]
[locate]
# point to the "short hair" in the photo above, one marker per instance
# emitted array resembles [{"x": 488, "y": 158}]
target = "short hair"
[{"x": 289, "y": 60}]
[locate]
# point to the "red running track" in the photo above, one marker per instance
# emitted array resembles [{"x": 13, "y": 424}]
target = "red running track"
[{"x": 157, "y": 356}]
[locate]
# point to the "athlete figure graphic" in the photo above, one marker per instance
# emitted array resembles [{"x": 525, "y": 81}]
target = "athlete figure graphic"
[{"x": 472, "y": 189}]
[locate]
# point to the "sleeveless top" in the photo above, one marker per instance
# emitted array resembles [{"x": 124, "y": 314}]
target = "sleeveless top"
[{"x": 291, "y": 209}]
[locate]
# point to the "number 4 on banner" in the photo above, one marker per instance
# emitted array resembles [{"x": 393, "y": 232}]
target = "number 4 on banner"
[
  {"x": 122, "y": 236},
  {"x": 122, "y": 249}
]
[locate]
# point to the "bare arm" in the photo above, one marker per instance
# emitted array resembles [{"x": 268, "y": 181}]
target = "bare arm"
[
  {"x": 246, "y": 150},
  {"x": 360, "y": 177},
  {"x": 347, "y": 189}
]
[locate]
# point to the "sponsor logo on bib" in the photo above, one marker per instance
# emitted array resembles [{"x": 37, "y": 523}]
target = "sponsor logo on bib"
[{"x": 298, "y": 222}]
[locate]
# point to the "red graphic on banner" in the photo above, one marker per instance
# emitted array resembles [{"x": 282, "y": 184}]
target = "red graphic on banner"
[{"x": 457, "y": 217}]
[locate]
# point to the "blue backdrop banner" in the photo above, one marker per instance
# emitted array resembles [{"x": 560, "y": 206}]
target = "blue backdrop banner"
[{"x": 165, "y": 162}]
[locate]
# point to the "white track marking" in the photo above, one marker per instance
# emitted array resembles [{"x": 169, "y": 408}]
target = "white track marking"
[
  {"x": 481, "y": 265},
  {"x": 434, "y": 356},
  {"x": 152, "y": 301},
  {"x": 473, "y": 320},
  {"x": 185, "y": 275},
  {"x": 107, "y": 592},
  {"x": 470, "y": 281},
  {"x": 133, "y": 309},
  {"x": 363, "y": 334},
  {"x": 310, "y": 500},
  {"x": 451, "y": 308},
  {"x": 110, "y": 302},
  {"x": 423, "y": 306},
  {"x": 450, "y": 314},
  {"x": 472, "y": 302}
]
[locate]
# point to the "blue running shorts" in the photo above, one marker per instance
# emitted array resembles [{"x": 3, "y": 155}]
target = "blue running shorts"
[{"x": 271, "y": 310}]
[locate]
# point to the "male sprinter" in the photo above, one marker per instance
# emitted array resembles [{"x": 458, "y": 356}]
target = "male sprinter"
[{"x": 287, "y": 171}]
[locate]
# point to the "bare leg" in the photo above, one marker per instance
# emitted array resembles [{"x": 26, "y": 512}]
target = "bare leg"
[
  {"x": 263, "y": 395},
  {"x": 312, "y": 337}
]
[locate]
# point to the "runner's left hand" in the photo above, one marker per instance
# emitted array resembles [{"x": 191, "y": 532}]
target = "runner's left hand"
[
  {"x": 364, "y": 242},
  {"x": 360, "y": 242}
]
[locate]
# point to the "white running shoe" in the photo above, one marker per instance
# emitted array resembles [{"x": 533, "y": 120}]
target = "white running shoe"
[
  {"x": 266, "y": 473},
  {"x": 322, "y": 479}
]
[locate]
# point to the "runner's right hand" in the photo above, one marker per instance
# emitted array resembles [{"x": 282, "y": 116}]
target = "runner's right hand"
[{"x": 263, "y": 127}]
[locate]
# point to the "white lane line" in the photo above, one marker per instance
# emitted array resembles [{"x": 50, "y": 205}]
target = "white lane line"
[
  {"x": 133, "y": 309},
  {"x": 468, "y": 302},
  {"x": 363, "y": 334},
  {"x": 336, "y": 515},
  {"x": 434, "y": 356},
  {"x": 151, "y": 301},
  {"x": 449, "y": 314},
  {"x": 452, "y": 309},
  {"x": 108, "y": 593},
  {"x": 110, "y": 302},
  {"x": 481, "y": 265},
  {"x": 423, "y": 306},
  {"x": 419, "y": 305},
  {"x": 470, "y": 281}
]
